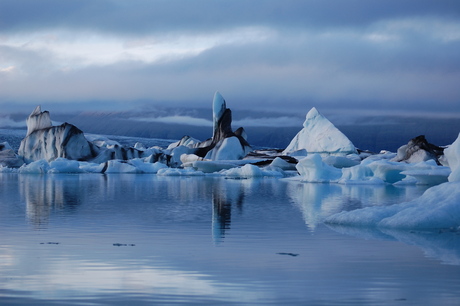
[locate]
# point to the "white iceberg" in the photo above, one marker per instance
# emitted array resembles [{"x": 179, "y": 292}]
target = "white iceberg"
[
  {"x": 452, "y": 154},
  {"x": 319, "y": 135}
]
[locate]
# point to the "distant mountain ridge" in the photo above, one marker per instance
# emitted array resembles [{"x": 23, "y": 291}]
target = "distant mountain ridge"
[{"x": 371, "y": 133}]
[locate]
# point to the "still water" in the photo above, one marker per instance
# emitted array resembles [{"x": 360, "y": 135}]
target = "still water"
[{"x": 90, "y": 239}]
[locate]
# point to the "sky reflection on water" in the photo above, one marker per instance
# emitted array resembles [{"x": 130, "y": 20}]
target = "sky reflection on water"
[{"x": 108, "y": 239}]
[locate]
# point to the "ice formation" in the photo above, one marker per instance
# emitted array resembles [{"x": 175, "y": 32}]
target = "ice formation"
[
  {"x": 418, "y": 150},
  {"x": 49, "y": 143},
  {"x": 319, "y": 135},
  {"x": 437, "y": 208},
  {"x": 452, "y": 154},
  {"x": 313, "y": 169},
  {"x": 318, "y": 153},
  {"x": 8, "y": 158},
  {"x": 38, "y": 120}
]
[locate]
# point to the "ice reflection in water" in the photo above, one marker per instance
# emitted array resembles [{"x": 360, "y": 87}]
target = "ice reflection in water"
[
  {"x": 210, "y": 239},
  {"x": 45, "y": 193},
  {"x": 318, "y": 201}
]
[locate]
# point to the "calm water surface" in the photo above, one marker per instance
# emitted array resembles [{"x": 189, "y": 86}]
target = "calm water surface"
[{"x": 94, "y": 239}]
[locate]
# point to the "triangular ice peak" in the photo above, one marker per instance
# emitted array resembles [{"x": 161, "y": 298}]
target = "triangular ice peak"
[{"x": 319, "y": 135}]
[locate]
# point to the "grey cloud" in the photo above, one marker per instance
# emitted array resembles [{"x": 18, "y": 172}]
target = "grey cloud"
[
  {"x": 318, "y": 55},
  {"x": 143, "y": 16}
]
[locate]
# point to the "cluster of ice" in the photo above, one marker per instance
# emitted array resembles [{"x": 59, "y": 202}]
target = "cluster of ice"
[
  {"x": 319, "y": 135},
  {"x": 319, "y": 153},
  {"x": 49, "y": 143},
  {"x": 374, "y": 170},
  {"x": 437, "y": 208},
  {"x": 63, "y": 165}
]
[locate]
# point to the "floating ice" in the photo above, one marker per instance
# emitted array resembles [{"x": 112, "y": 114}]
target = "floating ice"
[
  {"x": 313, "y": 169},
  {"x": 179, "y": 172},
  {"x": 36, "y": 167},
  {"x": 8, "y": 158},
  {"x": 248, "y": 171},
  {"x": 418, "y": 150},
  {"x": 50, "y": 143},
  {"x": 62, "y": 165},
  {"x": 452, "y": 154},
  {"x": 437, "y": 208},
  {"x": 319, "y": 135},
  {"x": 228, "y": 149}
]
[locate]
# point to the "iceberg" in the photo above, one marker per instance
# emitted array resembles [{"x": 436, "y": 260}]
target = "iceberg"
[
  {"x": 224, "y": 144},
  {"x": 418, "y": 150},
  {"x": 452, "y": 154},
  {"x": 319, "y": 135},
  {"x": 50, "y": 143}
]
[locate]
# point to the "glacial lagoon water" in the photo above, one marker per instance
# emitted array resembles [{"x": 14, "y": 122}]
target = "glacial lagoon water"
[{"x": 95, "y": 239}]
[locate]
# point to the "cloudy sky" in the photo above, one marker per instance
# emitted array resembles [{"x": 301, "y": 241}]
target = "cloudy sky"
[{"x": 392, "y": 56}]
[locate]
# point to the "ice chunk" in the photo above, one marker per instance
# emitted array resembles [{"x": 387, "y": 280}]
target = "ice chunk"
[
  {"x": 63, "y": 165},
  {"x": 8, "y": 158},
  {"x": 209, "y": 166},
  {"x": 179, "y": 172},
  {"x": 387, "y": 171},
  {"x": 437, "y": 208},
  {"x": 428, "y": 173},
  {"x": 280, "y": 163},
  {"x": 146, "y": 167},
  {"x": 228, "y": 149},
  {"x": 36, "y": 167},
  {"x": 119, "y": 166},
  {"x": 418, "y": 150},
  {"x": 249, "y": 171},
  {"x": 341, "y": 161},
  {"x": 359, "y": 174},
  {"x": 319, "y": 135},
  {"x": 452, "y": 154},
  {"x": 313, "y": 169}
]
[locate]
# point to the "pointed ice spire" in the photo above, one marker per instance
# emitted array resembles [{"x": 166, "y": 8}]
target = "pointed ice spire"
[
  {"x": 218, "y": 109},
  {"x": 38, "y": 120}
]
